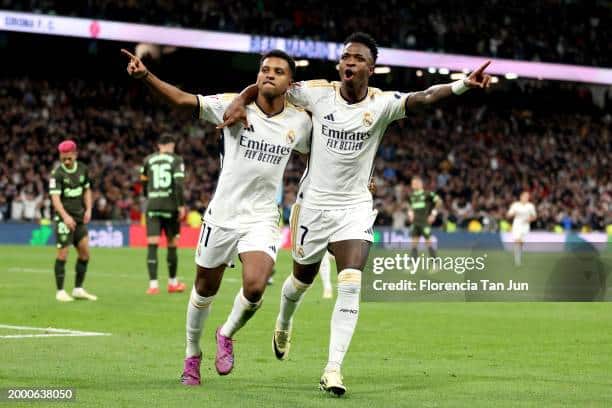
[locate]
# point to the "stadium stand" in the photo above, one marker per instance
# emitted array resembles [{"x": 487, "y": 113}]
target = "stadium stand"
[
  {"x": 477, "y": 157},
  {"x": 576, "y": 32}
]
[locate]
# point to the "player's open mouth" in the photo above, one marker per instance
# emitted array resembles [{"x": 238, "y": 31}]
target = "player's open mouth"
[
  {"x": 269, "y": 83},
  {"x": 348, "y": 74}
]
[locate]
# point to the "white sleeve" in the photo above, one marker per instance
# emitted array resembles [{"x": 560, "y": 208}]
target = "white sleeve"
[
  {"x": 305, "y": 93},
  {"x": 532, "y": 210},
  {"x": 212, "y": 107},
  {"x": 512, "y": 209},
  {"x": 303, "y": 144},
  {"x": 395, "y": 105}
]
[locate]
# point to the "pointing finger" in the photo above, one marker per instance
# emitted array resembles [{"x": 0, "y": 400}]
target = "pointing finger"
[
  {"x": 483, "y": 67},
  {"x": 225, "y": 124},
  {"x": 128, "y": 54}
]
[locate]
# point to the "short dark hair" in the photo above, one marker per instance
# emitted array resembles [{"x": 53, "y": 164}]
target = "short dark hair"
[
  {"x": 280, "y": 54},
  {"x": 166, "y": 138},
  {"x": 365, "y": 39}
]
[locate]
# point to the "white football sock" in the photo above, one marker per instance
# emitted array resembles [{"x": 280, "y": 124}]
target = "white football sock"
[
  {"x": 172, "y": 281},
  {"x": 517, "y": 254},
  {"x": 241, "y": 312},
  {"x": 325, "y": 272},
  {"x": 344, "y": 317},
  {"x": 291, "y": 295},
  {"x": 153, "y": 284},
  {"x": 198, "y": 309}
]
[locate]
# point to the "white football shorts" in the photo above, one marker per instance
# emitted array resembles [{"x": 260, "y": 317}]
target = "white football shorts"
[
  {"x": 312, "y": 230},
  {"x": 218, "y": 245},
  {"x": 519, "y": 231}
]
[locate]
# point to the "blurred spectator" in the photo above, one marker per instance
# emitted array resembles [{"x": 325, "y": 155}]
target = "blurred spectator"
[{"x": 31, "y": 205}]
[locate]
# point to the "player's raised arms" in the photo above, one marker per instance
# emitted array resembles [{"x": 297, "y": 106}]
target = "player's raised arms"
[
  {"x": 477, "y": 79},
  {"x": 168, "y": 93}
]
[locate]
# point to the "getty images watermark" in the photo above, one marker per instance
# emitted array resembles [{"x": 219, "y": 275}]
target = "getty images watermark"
[
  {"x": 488, "y": 271},
  {"x": 460, "y": 265}
]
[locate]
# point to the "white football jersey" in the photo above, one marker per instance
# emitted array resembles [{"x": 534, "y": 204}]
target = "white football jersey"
[
  {"x": 253, "y": 160},
  {"x": 522, "y": 213},
  {"x": 345, "y": 139}
]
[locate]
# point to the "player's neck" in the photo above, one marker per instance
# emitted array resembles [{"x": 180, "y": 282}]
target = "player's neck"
[
  {"x": 70, "y": 169},
  {"x": 270, "y": 106},
  {"x": 353, "y": 94}
]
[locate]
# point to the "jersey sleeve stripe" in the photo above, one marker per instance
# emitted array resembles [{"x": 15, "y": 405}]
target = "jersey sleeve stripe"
[
  {"x": 317, "y": 83},
  {"x": 201, "y": 105},
  {"x": 292, "y": 225}
]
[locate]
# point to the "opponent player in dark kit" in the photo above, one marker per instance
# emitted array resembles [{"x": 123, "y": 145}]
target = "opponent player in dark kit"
[{"x": 69, "y": 188}]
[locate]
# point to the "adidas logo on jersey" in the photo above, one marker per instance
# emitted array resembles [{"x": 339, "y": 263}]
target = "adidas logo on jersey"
[
  {"x": 250, "y": 128},
  {"x": 272, "y": 248},
  {"x": 329, "y": 117}
]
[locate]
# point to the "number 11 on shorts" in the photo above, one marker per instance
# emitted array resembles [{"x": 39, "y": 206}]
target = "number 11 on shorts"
[{"x": 205, "y": 231}]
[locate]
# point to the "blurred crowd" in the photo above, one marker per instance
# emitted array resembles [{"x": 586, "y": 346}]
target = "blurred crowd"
[
  {"x": 113, "y": 140},
  {"x": 566, "y": 31},
  {"x": 477, "y": 157},
  {"x": 478, "y": 161}
]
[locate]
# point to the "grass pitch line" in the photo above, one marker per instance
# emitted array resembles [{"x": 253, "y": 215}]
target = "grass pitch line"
[
  {"x": 50, "y": 271},
  {"x": 49, "y": 332},
  {"x": 102, "y": 274}
]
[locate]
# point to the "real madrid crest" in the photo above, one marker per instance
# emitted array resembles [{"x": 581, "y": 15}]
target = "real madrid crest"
[
  {"x": 367, "y": 119},
  {"x": 291, "y": 136}
]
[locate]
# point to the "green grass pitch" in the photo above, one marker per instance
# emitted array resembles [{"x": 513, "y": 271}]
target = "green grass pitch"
[{"x": 403, "y": 354}]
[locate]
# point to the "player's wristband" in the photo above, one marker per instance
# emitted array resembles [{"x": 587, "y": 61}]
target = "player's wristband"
[
  {"x": 459, "y": 87},
  {"x": 144, "y": 76}
]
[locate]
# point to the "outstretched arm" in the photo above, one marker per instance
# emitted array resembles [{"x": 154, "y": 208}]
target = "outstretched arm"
[
  {"x": 477, "y": 79},
  {"x": 236, "y": 111},
  {"x": 168, "y": 93}
]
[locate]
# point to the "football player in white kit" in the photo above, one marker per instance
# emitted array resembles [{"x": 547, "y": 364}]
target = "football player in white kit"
[
  {"x": 524, "y": 213},
  {"x": 334, "y": 209},
  {"x": 243, "y": 216}
]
